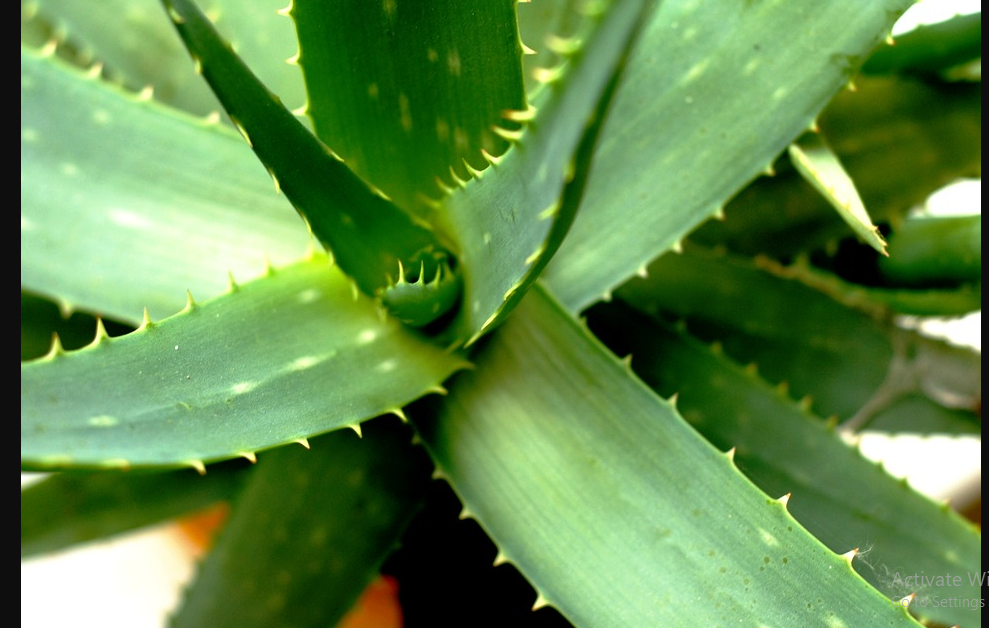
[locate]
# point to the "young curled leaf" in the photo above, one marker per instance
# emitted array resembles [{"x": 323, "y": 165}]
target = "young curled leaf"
[{"x": 417, "y": 300}]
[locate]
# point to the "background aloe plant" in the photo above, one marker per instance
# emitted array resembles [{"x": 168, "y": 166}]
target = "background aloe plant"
[{"x": 503, "y": 203}]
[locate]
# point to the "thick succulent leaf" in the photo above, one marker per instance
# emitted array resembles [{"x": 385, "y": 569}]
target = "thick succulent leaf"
[
  {"x": 796, "y": 335},
  {"x": 616, "y": 510},
  {"x": 932, "y": 251},
  {"x": 954, "y": 300},
  {"x": 714, "y": 92},
  {"x": 223, "y": 379},
  {"x": 190, "y": 207},
  {"x": 900, "y": 139},
  {"x": 139, "y": 48},
  {"x": 541, "y": 24},
  {"x": 406, "y": 92},
  {"x": 41, "y": 319},
  {"x": 509, "y": 220},
  {"x": 367, "y": 234},
  {"x": 66, "y": 509},
  {"x": 817, "y": 163},
  {"x": 309, "y": 532},
  {"x": 931, "y": 49},
  {"x": 842, "y": 498}
]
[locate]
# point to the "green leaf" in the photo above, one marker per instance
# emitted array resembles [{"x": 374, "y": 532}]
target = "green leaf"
[
  {"x": 367, "y": 234},
  {"x": 842, "y": 498},
  {"x": 415, "y": 114},
  {"x": 222, "y": 379},
  {"x": 106, "y": 177},
  {"x": 931, "y": 49},
  {"x": 66, "y": 509},
  {"x": 800, "y": 336},
  {"x": 899, "y": 138},
  {"x": 309, "y": 532},
  {"x": 920, "y": 301},
  {"x": 614, "y": 509},
  {"x": 509, "y": 220},
  {"x": 935, "y": 251},
  {"x": 817, "y": 163},
  {"x": 142, "y": 49},
  {"x": 675, "y": 146}
]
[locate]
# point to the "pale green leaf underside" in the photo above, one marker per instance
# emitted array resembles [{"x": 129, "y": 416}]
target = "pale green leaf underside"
[
  {"x": 820, "y": 167},
  {"x": 406, "y": 92},
  {"x": 191, "y": 206},
  {"x": 715, "y": 91},
  {"x": 845, "y": 500},
  {"x": 227, "y": 378},
  {"x": 309, "y": 532},
  {"x": 617, "y": 511}
]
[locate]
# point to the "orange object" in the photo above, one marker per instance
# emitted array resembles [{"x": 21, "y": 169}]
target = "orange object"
[{"x": 378, "y": 606}]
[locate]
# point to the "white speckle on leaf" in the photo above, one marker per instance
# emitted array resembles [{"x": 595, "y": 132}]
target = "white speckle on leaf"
[
  {"x": 768, "y": 538},
  {"x": 103, "y": 420},
  {"x": 303, "y": 363},
  {"x": 241, "y": 388},
  {"x": 453, "y": 62},
  {"x": 367, "y": 336},
  {"x": 460, "y": 140},
  {"x": 697, "y": 70},
  {"x": 101, "y": 117},
  {"x": 386, "y": 366},
  {"x": 68, "y": 169},
  {"x": 308, "y": 296},
  {"x": 442, "y": 130},
  {"x": 29, "y": 135},
  {"x": 126, "y": 218}
]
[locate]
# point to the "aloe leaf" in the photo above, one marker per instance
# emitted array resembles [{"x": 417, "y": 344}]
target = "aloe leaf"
[
  {"x": 66, "y": 509},
  {"x": 699, "y": 71},
  {"x": 931, "y": 251},
  {"x": 352, "y": 362},
  {"x": 899, "y": 138},
  {"x": 615, "y": 510},
  {"x": 818, "y": 164},
  {"x": 836, "y": 356},
  {"x": 415, "y": 114},
  {"x": 930, "y": 49},
  {"x": 367, "y": 234},
  {"x": 327, "y": 517},
  {"x": 509, "y": 220},
  {"x": 42, "y": 318},
  {"x": 540, "y": 24},
  {"x": 954, "y": 300},
  {"x": 191, "y": 207},
  {"x": 142, "y": 50},
  {"x": 842, "y": 498}
]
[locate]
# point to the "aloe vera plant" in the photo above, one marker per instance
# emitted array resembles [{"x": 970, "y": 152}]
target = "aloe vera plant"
[{"x": 449, "y": 226}]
